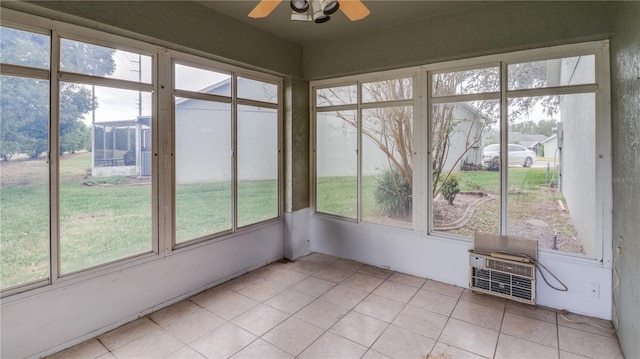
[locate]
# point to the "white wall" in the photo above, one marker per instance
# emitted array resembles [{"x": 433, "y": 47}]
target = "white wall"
[
  {"x": 41, "y": 323},
  {"x": 447, "y": 260}
]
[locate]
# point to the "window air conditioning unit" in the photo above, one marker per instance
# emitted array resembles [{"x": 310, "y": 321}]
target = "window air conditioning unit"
[{"x": 503, "y": 275}]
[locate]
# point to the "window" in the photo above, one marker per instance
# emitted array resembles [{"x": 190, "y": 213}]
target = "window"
[
  {"x": 24, "y": 142},
  {"x": 364, "y": 159},
  {"x": 88, "y": 182},
  {"x": 514, "y": 144},
  {"x": 218, "y": 188}
]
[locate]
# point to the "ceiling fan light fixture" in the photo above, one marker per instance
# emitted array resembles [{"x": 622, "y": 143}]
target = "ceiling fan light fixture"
[
  {"x": 299, "y": 6},
  {"x": 318, "y": 15},
  {"x": 329, "y": 6},
  {"x": 300, "y": 17}
]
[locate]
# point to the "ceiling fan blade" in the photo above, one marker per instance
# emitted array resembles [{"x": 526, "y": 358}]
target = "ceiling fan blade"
[
  {"x": 354, "y": 9},
  {"x": 264, "y": 8}
]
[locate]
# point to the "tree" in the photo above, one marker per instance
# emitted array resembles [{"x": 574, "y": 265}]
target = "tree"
[
  {"x": 24, "y": 126},
  {"x": 390, "y": 128}
]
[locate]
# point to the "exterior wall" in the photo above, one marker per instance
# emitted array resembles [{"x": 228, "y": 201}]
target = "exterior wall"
[
  {"x": 550, "y": 148},
  {"x": 625, "y": 95}
]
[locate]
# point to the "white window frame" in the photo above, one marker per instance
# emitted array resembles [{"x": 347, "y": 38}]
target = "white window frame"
[
  {"x": 161, "y": 234},
  {"x": 422, "y": 203}
]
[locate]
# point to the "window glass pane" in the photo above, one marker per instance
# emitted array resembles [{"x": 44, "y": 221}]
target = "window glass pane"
[
  {"x": 387, "y": 165},
  {"x": 557, "y": 72},
  {"x": 203, "y": 168},
  {"x": 466, "y": 171},
  {"x": 257, "y": 164},
  {"x": 388, "y": 90},
  {"x": 89, "y": 59},
  {"x": 105, "y": 207},
  {"x": 257, "y": 90},
  {"x": 337, "y": 163},
  {"x": 24, "y": 180},
  {"x": 466, "y": 82},
  {"x": 552, "y": 179},
  {"x": 24, "y": 48},
  {"x": 334, "y": 96},
  {"x": 198, "y": 80}
]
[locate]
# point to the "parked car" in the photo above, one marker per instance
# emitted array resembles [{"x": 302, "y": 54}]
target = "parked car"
[{"x": 518, "y": 155}]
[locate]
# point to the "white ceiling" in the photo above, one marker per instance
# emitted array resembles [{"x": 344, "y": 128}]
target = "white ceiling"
[{"x": 384, "y": 13}]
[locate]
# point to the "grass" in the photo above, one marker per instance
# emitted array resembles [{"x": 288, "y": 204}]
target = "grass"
[{"x": 105, "y": 219}]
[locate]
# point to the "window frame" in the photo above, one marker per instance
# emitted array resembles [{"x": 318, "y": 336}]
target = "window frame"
[
  {"x": 162, "y": 122},
  {"x": 424, "y": 97}
]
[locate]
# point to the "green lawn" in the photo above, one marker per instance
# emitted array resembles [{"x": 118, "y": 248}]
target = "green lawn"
[{"x": 108, "y": 219}]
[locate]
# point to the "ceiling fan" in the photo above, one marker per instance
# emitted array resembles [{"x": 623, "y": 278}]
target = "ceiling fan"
[{"x": 320, "y": 10}]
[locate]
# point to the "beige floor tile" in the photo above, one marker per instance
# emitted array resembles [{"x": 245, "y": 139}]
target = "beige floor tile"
[
  {"x": 588, "y": 344},
  {"x": 307, "y": 267},
  {"x": 108, "y": 355},
  {"x": 437, "y": 303},
  {"x": 360, "y": 328},
  {"x": 156, "y": 344},
  {"x": 344, "y": 296},
  {"x": 442, "y": 288},
  {"x": 224, "y": 302},
  {"x": 382, "y": 273},
  {"x": 187, "y": 321},
  {"x": 322, "y": 313},
  {"x": 334, "y": 274},
  {"x": 293, "y": 335},
  {"x": 379, "y": 307},
  {"x": 283, "y": 278},
  {"x": 362, "y": 281},
  {"x": 510, "y": 347},
  {"x": 479, "y": 315},
  {"x": 241, "y": 282},
  {"x": 185, "y": 352},
  {"x": 421, "y": 321},
  {"x": 484, "y": 299},
  {"x": 333, "y": 346},
  {"x": 223, "y": 342},
  {"x": 445, "y": 351},
  {"x": 260, "y": 319},
  {"x": 262, "y": 289},
  {"x": 127, "y": 333},
  {"x": 396, "y": 291},
  {"x": 401, "y": 343},
  {"x": 319, "y": 258},
  {"x": 347, "y": 264},
  {"x": 407, "y": 279},
  {"x": 568, "y": 355},
  {"x": 89, "y": 349},
  {"x": 289, "y": 301},
  {"x": 372, "y": 354},
  {"x": 531, "y": 311},
  {"x": 314, "y": 286},
  {"x": 530, "y": 329},
  {"x": 469, "y": 337},
  {"x": 261, "y": 349},
  {"x": 587, "y": 324}
]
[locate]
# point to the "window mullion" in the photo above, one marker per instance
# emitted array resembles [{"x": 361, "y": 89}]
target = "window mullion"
[
  {"x": 359, "y": 150},
  {"x": 54, "y": 158},
  {"x": 234, "y": 152},
  {"x": 504, "y": 141}
]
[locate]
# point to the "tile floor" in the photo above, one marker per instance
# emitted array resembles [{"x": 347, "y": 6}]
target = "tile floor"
[{"x": 325, "y": 307}]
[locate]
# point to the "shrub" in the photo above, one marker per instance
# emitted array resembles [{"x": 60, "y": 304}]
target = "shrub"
[
  {"x": 450, "y": 188},
  {"x": 393, "y": 195}
]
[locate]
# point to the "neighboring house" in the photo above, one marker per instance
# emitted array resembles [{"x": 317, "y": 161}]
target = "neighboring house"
[
  {"x": 529, "y": 141},
  {"x": 466, "y": 141},
  {"x": 550, "y": 146},
  {"x": 123, "y": 148}
]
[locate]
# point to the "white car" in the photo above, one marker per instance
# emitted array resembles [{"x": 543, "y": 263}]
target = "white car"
[{"x": 518, "y": 155}]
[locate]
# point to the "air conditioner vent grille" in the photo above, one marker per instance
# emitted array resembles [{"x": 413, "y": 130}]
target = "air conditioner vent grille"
[{"x": 503, "y": 278}]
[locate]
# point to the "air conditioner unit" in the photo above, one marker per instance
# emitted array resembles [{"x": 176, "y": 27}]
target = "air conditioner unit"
[{"x": 511, "y": 278}]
